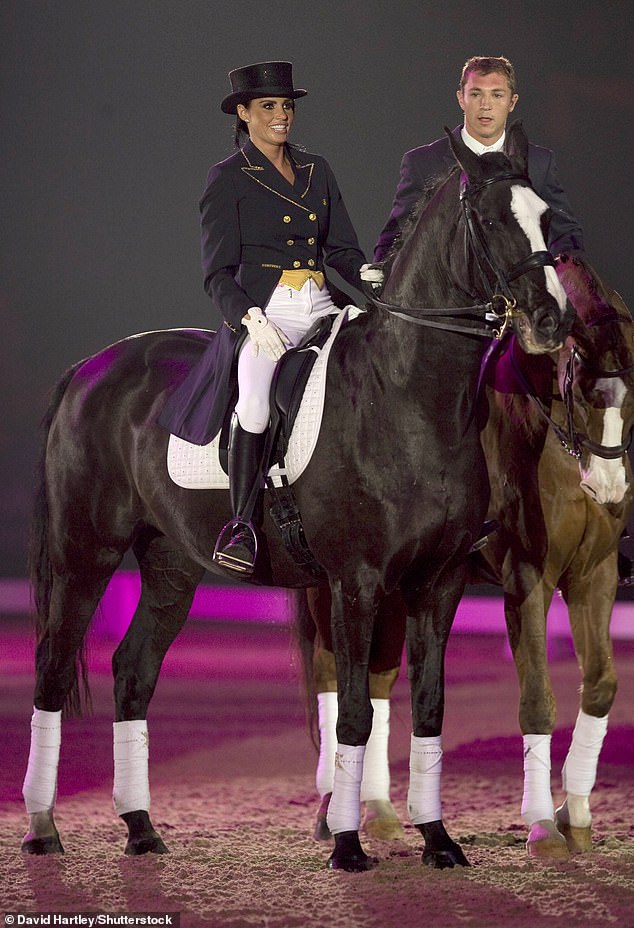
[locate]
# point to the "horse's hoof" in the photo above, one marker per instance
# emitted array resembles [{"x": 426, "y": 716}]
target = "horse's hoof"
[
  {"x": 142, "y": 838},
  {"x": 152, "y": 844},
  {"x": 349, "y": 855},
  {"x": 578, "y": 840},
  {"x": 381, "y": 821},
  {"x": 545, "y": 842},
  {"x": 322, "y": 832},
  {"x": 42, "y": 846},
  {"x": 445, "y": 859},
  {"x": 440, "y": 852}
]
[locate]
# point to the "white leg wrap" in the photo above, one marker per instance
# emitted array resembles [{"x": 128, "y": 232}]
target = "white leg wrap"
[
  {"x": 40, "y": 783},
  {"x": 344, "y": 809},
  {"x": 327, "y": 708},
  {"x": 425, "y": 767},
  {"x": 131, "y": 790},
  {"x": 537, "y": 802},
  {"x": 579, "y": 772},
  {"x": 376, "y": 768}
]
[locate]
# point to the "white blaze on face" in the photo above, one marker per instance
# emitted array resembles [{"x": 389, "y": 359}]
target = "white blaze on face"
[
  {"x": 605, "y": 480},
  {"x": 528, "y": 209}
]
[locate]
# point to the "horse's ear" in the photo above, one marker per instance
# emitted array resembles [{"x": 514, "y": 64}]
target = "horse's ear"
[
  {"x": 467, "y": 159},
  {"x": 516, "y": 144}
]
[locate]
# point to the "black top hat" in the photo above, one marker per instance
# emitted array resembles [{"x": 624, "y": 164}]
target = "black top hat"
[{"x": 266, "y": 79}]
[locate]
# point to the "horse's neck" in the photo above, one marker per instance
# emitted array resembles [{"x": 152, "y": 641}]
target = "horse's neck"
[{"x": 421, "y": 273}]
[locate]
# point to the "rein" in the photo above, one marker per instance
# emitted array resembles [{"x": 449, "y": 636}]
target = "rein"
[
  {"x": 501, "y": 308},
  {"x": 571, "y": 440}
]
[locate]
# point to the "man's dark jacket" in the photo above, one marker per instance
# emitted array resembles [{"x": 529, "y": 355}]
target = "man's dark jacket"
[
  {"x": 255, "y": 224},
  {"x": 422, "y": 166}
]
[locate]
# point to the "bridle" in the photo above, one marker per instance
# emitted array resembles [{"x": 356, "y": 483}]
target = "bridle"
[
  {"x": 476, "y": 244},
  {"x": 501, "y": 306},
  {"x": 572, "y": 441}
]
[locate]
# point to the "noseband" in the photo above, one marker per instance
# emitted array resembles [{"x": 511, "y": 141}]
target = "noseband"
[
  {"x": 572, "y": 441},
  {"x": 501, "y": 306},
  {"x": 575, "y": 441}
]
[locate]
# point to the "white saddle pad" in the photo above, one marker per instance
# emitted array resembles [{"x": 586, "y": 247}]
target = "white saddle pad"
[{"x": 196, "y": 467}]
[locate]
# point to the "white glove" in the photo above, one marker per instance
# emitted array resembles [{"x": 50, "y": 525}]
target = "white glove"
[
  {"x": 372, "y": 274},
  {"x": 264, "y": 334}
]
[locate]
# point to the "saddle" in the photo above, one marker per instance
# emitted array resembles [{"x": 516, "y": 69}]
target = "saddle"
[{"x": 285, "y": 398}]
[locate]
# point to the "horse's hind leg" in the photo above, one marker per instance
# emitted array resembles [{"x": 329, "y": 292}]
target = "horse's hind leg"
[
  {"x": 380, "y": 819},
  {"x": 168, "y": 583},
  {"x": 59, "y": 663},
  {"x": 589, "y": 610}
]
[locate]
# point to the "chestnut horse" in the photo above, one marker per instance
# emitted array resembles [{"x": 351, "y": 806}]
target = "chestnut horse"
[
  {"x": 555, "y": 431},
  {"x": 394, "y": 494}
]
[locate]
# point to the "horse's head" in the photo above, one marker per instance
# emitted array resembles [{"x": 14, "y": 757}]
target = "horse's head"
[
  {"x": 596, "y": 381},
  {"x": 506, "y": 254}
]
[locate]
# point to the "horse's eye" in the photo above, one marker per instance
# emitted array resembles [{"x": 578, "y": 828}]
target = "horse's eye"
[{"x": 488, "y": 224}]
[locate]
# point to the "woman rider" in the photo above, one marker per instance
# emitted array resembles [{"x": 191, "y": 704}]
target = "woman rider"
[{"x": 272, "y": 214}]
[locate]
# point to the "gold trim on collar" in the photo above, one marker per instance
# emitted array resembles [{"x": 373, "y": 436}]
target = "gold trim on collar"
[
  {"x": 256, "y": 167},
  {"x": 309, "y": 167}
]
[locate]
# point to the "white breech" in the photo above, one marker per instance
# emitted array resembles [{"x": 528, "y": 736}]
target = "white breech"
[
  {"x": 40, "y": 782},
  {"x": 425, "y": 768},
  {"x": 375, "y": 783},
  {"x": 131, "y": 790},
  {"x": 294, "y": 312}
]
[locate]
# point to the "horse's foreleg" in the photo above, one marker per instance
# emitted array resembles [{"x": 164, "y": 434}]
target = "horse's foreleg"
[
  {"x": 578, "y": 775},
  {"x": 380, "y": 819},
  {"x": 352, "y": 623},
  {"x": 526, "y": 625},
  {"x": 428, "y": 630},
  {"x": 169, "y": 580}
]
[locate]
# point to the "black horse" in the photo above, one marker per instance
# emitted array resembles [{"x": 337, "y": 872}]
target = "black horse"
[
  {"x": 393, "y": 497},
  {"x": 555, "y": 434}
]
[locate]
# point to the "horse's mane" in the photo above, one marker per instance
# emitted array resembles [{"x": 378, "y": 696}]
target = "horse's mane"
[
  {"x": 586, "y": 291},
  {"x": 430, "y": 189}
]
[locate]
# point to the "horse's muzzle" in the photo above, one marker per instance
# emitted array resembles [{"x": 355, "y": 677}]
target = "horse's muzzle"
[{"x": 546, "y": 329}]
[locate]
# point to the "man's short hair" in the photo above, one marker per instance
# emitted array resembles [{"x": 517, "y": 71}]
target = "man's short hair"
[{"x": 479, "y": 64}]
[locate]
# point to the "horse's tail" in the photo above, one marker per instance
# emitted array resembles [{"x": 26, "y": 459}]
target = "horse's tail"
[
  {"x": 304, "y": 632},
  {"x": 39, "y": 562}
]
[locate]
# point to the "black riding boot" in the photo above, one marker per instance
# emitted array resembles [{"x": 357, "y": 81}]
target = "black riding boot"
[{"x": 236, "y": 546}]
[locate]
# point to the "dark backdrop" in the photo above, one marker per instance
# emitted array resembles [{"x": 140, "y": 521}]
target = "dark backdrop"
[{"x": 110, "y": 118}]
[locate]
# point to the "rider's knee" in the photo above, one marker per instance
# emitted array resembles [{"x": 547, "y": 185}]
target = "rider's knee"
[{"x": 253, "y": 413}]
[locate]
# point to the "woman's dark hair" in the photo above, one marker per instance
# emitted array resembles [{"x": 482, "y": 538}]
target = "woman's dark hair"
[{"x": 240, "y": 128}]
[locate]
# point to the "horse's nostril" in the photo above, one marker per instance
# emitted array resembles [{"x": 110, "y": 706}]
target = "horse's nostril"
[{"x": 547, "y": 322}]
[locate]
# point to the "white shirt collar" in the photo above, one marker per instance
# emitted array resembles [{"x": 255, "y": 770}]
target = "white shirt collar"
[{"x": 478, "y": 147}]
